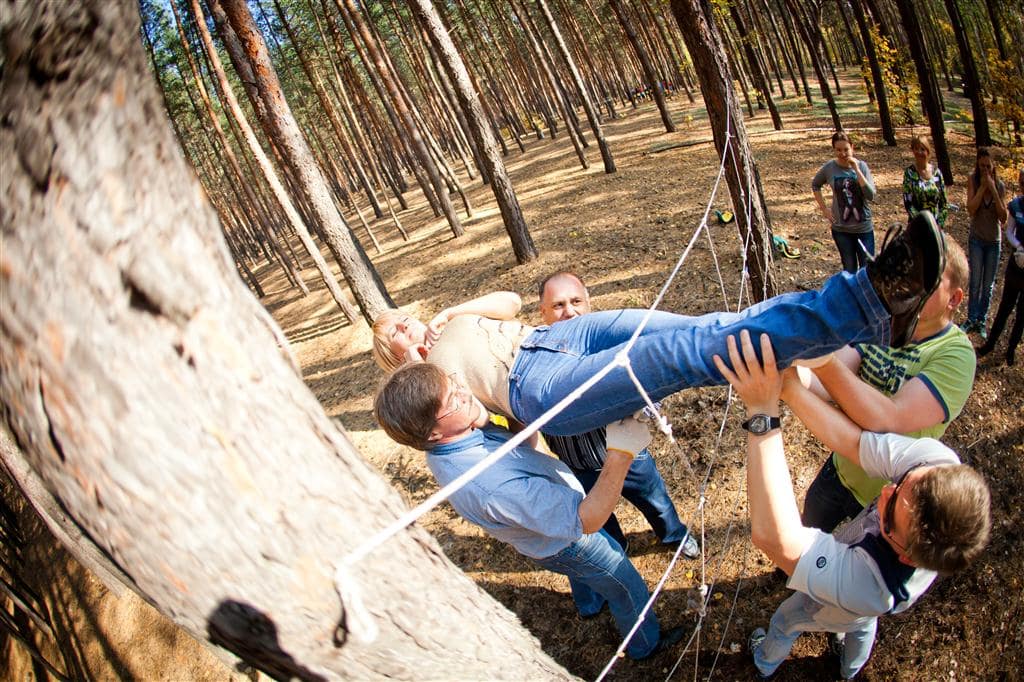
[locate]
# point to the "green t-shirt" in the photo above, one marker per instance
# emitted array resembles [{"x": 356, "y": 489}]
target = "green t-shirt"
[{"x": 945, "y": 362}]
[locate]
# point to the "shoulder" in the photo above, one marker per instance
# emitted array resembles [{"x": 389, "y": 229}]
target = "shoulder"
[
  {"x": 836, "y": 574},
  {"x": 952, "y": 343}
]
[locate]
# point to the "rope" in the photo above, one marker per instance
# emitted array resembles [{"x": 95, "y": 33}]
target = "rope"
[{"x": 357, "y": 619}]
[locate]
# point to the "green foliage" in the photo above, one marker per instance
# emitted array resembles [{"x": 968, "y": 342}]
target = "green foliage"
[
  {"x": 901, "y": 88},
  {"x": 1008, "y": 109}
]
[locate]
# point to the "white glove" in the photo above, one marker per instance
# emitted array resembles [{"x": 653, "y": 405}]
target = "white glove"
[
  {"x": 627, "y": 435},
  {"x": 1018, "y": 258}
]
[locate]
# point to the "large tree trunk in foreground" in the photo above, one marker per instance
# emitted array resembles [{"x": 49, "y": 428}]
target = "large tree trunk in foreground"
[
  {"x": 155, "y": 400},
  {"x": 707, "y": 50}
]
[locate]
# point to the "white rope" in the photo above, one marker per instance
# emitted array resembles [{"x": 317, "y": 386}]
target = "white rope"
[
  {"x": 358, "y": 619},
  {"x": 703, "y": 226}
]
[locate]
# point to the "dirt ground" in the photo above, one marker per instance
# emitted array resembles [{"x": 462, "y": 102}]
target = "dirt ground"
[{"x": 623, "y": 233}]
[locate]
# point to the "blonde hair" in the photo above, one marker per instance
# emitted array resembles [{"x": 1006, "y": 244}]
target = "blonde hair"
[
  {"x": 921, "y": 141},
  {"x": 381, "y": 349},
  {"x": 956, "y": 264}
]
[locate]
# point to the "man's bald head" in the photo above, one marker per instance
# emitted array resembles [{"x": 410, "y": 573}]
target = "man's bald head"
[{"x": 563, "y": 296}]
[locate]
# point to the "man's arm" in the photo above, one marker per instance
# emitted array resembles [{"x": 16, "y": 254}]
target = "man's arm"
[
  {"x": 775, "y": 524},
  {"x": 912, "y": 408},
  {"x": 624, "y": 439},
  {"x": 805, "y": 369},
  {"x": 828, "y": 424}
]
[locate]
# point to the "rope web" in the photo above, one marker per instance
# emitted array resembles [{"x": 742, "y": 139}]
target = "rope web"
[{"x": 350, "y": 595}]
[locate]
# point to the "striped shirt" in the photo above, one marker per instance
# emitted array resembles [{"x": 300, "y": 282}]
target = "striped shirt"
[{"x": 585, "y": 451}]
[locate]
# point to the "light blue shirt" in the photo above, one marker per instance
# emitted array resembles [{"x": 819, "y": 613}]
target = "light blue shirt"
[{"x": 527, "y": 499}]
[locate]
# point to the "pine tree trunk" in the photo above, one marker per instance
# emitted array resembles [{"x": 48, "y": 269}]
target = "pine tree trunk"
[
  {"x": 581, "y": 89},
  {"x": 808, "y": 36},
  {"x": 645, "y": 61},
  {"x": 929, "y": 93},
  {"x": 247, "y": 50},
  {"x": 155, "y": 400},
  {"x": 878, "y": 80},
  {"x": 708, "y": 53},
  {"x": 972, "y": 83},
  {"x": 758, "y": 75},
  {"x": 501, "y": 185}
]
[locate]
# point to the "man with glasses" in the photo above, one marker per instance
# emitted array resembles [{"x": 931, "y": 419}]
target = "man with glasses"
[
  {"x": 933, "y": 519},
  {"x": 527, "y": 499}
]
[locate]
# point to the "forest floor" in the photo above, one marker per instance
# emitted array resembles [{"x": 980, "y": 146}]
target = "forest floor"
[{"x": 623, "y": 234}]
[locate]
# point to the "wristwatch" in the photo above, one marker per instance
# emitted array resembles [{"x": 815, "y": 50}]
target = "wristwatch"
[{"x": 760, "y": 424}]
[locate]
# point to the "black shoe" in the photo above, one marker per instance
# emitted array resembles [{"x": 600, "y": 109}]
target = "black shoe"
[
  {"x": 907, "y": 271},
  {"x": 668, "y": 639},
  {"x": 982, "y": 351}
]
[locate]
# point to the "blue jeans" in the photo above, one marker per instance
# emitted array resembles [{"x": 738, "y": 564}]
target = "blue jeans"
[
  {"x": 599, "y": 571},
  {"x": 674, "y": 351},
  {"x": 645, "y": 489},
  {"x": 983, "y": 259},
  {"x": 795, "y": 616},
  {"x": 828, "y": 502},
  {"x": 849, "y": 244}
]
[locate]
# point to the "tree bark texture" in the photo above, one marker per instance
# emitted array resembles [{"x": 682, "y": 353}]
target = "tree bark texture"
[
  {"x": 156, "y": 400},
  {"x": 705, "y": 46}
]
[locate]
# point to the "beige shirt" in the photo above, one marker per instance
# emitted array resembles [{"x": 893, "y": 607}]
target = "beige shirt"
[{"x": 481, "y": 351}]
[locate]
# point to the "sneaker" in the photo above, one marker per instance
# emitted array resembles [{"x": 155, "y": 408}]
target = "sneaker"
[
  {"x": 982, "y": 334},
  {"x": 982, "y": 351},
  {"x": 667, "y": 639},
  {"x": 691, "y": 549},
  {"x": 906, "y": 272},
  {"x": 756, "y": 639},
  {"x": 754, "y": 643}
]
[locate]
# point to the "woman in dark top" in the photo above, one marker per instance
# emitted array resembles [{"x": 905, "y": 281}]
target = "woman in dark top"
[
  {"x": 986, "y": 206},
  {"x": 1013, "y": 283}
]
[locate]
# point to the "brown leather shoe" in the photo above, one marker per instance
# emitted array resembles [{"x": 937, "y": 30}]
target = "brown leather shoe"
[{"x": 906, "y": 272}]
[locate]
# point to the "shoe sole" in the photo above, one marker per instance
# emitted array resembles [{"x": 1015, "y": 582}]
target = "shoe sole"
[{"x": 921, "y": 229}]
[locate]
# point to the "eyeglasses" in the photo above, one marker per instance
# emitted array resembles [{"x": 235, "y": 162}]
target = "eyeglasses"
[
  {"x": 455, "y": 401},
  {"x": 890, "y": 508}
]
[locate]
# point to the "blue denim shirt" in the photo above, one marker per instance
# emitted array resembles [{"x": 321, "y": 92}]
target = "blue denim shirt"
[{"x": 527, "y": 499}]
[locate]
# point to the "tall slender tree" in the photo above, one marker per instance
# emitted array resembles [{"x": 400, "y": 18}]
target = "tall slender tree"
[
  {"x": 930, "y": 97},
  {"x": 504, "y": 193},
  {"x": 707, "y": 50},
  {"x": 972, "y": 82},
  {"x": 248, "y": 52}
]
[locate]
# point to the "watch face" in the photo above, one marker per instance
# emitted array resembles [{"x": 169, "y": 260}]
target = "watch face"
[{"x": 759, "y": 423}]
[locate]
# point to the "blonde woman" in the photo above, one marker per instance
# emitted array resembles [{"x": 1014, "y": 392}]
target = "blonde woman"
[
  {"x": 923, "y": 186},
  {"x": 521, "y": 371}
]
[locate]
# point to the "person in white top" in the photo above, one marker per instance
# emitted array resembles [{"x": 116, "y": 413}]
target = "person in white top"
[{"x": 933, "y": 518}]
